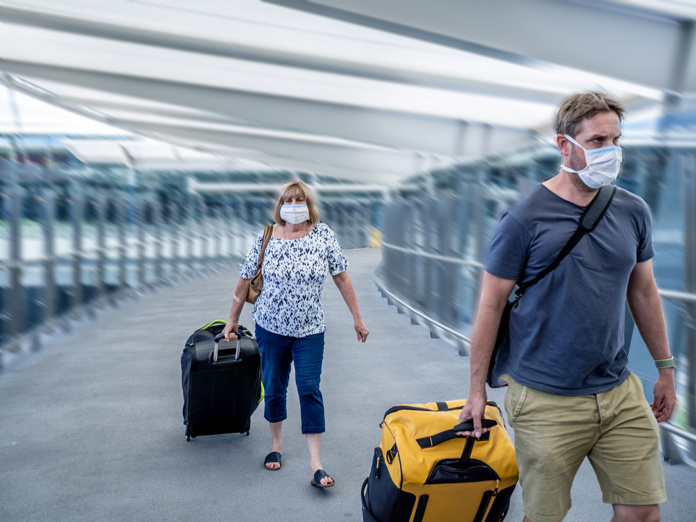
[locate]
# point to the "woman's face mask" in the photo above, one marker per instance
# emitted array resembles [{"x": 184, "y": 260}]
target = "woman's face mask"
[
  {"x": 294, "y": 214},
  {"x": 603, "y": 165}
]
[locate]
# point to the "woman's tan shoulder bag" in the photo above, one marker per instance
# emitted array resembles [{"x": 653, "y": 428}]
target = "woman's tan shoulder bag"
[{"x": 257, "y": 281}]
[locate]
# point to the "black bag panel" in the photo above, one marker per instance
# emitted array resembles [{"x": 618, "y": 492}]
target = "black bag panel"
[
  {"x": 454, "y": 471},
  {"x": 500, "y": 506},
  {"x": 218, "y": 428},
  {"x": 186, "y": 378},
  {"x": 229, "y": 393},
  {"x": 367, "y": 513},
  {"x": 385, "y": 501}
]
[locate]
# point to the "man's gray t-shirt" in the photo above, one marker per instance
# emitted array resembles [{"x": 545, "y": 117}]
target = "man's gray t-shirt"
[{"x": 567, "y": 331}]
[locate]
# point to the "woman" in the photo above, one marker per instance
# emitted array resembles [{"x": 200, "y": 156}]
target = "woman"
[{"x": 289, "y": 316}]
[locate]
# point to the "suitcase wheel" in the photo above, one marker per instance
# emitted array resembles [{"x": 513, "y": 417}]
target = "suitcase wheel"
[
  {"x": 247, "y": 433},
  {"x": 188, "y": 438}
]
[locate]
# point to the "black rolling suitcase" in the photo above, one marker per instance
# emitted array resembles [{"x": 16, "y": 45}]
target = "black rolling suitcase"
[{"x": 221, "y": 382}]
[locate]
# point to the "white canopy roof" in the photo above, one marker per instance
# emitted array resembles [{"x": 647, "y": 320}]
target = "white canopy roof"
[{"x": 356, "y": 89}]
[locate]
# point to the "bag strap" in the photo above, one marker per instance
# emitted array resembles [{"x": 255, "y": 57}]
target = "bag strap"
[
  {"x": 588, "y": 222},
  {"x": 267, "y": 232},
  {"x": 443, "y": 436}
]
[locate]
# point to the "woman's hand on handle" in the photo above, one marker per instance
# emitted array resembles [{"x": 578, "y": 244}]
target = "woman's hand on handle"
[
  {"x": 361, "y": 330},
  {"x": 230, "y": 331}
]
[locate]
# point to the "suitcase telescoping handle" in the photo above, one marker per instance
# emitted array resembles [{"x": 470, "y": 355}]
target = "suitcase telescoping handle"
[
  {"x": 434, "y": 440},
  {"x": 237, "y": 352}
]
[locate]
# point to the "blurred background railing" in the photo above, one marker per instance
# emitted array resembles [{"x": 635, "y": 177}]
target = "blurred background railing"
[
  {"x": 435, "y": 235},
  {"x": 71, "y": 245}
]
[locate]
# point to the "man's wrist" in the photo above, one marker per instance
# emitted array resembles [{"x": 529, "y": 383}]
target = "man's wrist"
[
  {"x": 476, "y": 391},
  {"x": 664, "y": 364}
]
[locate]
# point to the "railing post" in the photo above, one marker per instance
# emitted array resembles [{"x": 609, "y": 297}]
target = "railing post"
[
  {"x": 175, "y": 238},
  {"x": 159, "y": 237},
  {"x": 141, "y": 240},
  {"x": 448, "y": 230},
  {"x": 15, "y": 317},
  {"x": 202, "y": 231},
  {"x": 100, "y": 203},
  {"x": 689, "y": 192},
  {"x": 48, "y": 198},
  {"x": 230, "y": 227},
  {"x": 479, "y": 210},
  {"x": 190, "y": 227},
  {"x": 217, "y": 232},
  {"x": 77, "y": 214},
  {"x": 121, "y": 205},
  {"x": 236, "y": 228},
  {"x": 431, "y": 244}
]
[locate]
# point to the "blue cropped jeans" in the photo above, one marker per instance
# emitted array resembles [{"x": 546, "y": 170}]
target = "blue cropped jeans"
[{"x": 277, "y": 354}]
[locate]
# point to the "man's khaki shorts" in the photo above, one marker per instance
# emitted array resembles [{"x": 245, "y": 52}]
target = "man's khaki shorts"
[{"x": 554, "y": 433}]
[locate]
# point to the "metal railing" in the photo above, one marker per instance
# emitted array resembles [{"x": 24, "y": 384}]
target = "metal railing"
[{"x": 70, "y": 246}]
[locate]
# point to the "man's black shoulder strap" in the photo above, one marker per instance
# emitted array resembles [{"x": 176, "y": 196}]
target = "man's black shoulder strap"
[{"x": 588, "y": 222}]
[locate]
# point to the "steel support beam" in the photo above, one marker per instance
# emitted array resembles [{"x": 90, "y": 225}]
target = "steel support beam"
[
  {"x": 634, "y": 42},
  {"x": 370, "y": 125},
  {"x": 180, "y": 42}
]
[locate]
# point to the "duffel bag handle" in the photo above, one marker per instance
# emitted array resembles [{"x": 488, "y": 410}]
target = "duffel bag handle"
[{"x": 438, "y": 438}]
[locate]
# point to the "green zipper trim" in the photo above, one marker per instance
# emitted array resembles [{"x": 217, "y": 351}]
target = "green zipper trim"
[
  {"x": 217, "y": 321},
  {"x": 263, "y": 393}
]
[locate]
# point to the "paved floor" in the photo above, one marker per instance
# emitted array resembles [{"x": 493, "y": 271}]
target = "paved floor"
[{"x": 91, "y": 428}]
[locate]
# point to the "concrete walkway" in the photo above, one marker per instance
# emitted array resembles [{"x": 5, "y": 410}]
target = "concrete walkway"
[{"x": 91, "y": 429}]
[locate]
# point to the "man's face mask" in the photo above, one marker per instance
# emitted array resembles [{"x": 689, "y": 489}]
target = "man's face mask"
[{"x": 603, "y": 165}]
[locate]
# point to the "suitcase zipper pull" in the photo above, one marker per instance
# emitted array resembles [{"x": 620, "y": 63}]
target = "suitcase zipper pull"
[{"x": 377, "y": 467}]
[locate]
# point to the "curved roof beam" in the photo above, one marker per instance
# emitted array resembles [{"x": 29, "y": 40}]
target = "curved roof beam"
[
  {"x": 650, "y": 48},
  {"x": 277, "y": 56},
  {"x": 369, "y": 125},
  {"x": 345, "y": 156}
]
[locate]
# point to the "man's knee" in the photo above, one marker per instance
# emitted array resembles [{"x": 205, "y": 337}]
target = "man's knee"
[{"x": 626, "y": 513}]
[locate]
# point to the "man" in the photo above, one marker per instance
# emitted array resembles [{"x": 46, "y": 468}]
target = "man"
[{"x": 570, "y": 395}]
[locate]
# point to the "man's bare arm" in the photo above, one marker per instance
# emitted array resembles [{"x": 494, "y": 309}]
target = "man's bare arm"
[
  {"x": 646, "y": 309},
  {"x": 494, "y": 294}
]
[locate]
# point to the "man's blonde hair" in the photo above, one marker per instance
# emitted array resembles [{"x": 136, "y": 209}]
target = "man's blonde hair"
[
  {"x": 577, "y": 107},
  {"x": 297, "y": 188}
]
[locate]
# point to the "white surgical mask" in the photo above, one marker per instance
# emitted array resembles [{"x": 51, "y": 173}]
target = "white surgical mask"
[
  {"x": 602, "y": 167},
  {"x": 294, "y": 214}
]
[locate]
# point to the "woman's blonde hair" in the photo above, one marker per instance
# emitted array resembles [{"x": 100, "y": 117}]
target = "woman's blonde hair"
[{"x": 294, "y": 189}]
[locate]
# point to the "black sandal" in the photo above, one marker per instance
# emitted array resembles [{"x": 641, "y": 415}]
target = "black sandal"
[
  {"x": 321, "y": 474},
  {"x": 272, "y": 458}
]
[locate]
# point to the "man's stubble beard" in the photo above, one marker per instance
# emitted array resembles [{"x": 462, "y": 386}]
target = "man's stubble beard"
[{"x": 574, "y": 164}]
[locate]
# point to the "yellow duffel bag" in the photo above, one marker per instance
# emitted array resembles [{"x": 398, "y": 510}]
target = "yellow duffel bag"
[{"x": 423, "y": 472}]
